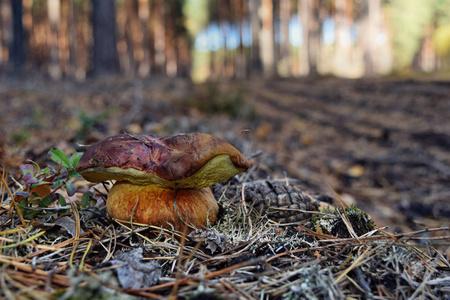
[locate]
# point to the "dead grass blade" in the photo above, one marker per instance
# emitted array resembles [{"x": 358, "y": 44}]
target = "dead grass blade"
[{"x": 13, "y": 201}]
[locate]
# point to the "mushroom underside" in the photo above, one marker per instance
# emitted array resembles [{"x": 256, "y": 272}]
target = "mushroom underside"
[
  {"x": 150, "y": 204},
  {"x": 217, "y": 169}
]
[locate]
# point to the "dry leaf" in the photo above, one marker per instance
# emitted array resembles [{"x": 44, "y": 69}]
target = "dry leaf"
[
  {"x": 69, "y": 224},
  {"x": 133, "y": 273}
]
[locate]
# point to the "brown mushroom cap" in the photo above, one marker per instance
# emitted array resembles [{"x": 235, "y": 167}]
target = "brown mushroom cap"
[{"x": 194, "y": 160}]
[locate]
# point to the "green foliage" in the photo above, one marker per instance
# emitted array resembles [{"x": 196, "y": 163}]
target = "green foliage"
[
  {"x": 42, "y": 185},
  {"x": 60, "y": 157},
  {"x": 441, "y": 35},
  {"x": 89, "y": 121},
  {"x": 332, "y": 222},
  {"x": 30, "y": 123},
  {"x": 442, "y": 12},
  {"x": 21, "y": 136},
  {"x": 196, "y": 14},
  {"x": 441, "y": 41},
  {"x": 409, "y": 20},
  {"x": 86, "y": 199}
]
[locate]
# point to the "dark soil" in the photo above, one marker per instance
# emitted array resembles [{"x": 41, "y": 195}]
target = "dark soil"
[{"x": 386, "y": 143}]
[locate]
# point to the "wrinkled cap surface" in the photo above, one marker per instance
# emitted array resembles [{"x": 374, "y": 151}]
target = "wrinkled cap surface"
[{"x": 193, "y": 160}]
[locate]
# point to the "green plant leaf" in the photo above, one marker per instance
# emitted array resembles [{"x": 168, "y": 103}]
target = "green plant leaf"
[
  {"x": 40, "y": 183},
  {"x": 59, "y": 157},
  {"x": 48, "y": 170},
  {"x": 58, "y": 183},
  {"x": 62, "y": 200},
  {"x": 38, "y": 169},
  {"x": 30, "y": 213},
  {"x": 28, "y": 169},
  {"x": 73, "y": 174},
  {"x": 86, "y": 199},
  {"x": 75, "y": 159},
  {"x": 71, "y": 188},
  {"x": 46, "y": 201},
  {"x": 22, "y": 203}
]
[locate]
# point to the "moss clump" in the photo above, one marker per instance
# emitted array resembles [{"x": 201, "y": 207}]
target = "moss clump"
[
  {"x": 332, "y": 222},
  {"x": 360, "y": 221}
]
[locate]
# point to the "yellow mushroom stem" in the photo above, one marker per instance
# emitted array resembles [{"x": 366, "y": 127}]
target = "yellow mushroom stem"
[{"x": 150, "y": 204}]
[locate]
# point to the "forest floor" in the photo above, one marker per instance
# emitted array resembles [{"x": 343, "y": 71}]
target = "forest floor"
[{"x": 382, "y": 144}]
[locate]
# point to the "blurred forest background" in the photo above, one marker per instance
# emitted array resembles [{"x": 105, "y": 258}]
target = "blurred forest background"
[{"x": 205, "y": 39}]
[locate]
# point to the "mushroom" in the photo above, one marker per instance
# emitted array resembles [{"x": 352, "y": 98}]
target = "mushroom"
[{"x": 162, "y": 180}]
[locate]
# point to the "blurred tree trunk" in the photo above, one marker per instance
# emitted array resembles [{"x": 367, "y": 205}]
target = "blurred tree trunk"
[
  {"x": 255, "y": 63},
  {"x": 309, "y": 17},
  {"x": 181, "y": 41},
  {"x": 130, "y": 32},
  {"x": 230, "y": 22},
  {"x": 343, "y": 19},
  {"x": 64, "y": 38},
  {"x": 5, "y": 30},
  {"x": 184, "y": 56},
  {"x": 68, "y": 53},
  {"x": 241, "y": 65},
  {"x": 160, "y": 36},
  {"x": 38, "y": 56},
  {"x": 171, "y": 54},
  {"x": 144, "y": 16},
  {"x": 302, "y": 15},
  {"x": 17, "y": 48},
  {"x": 285, "y": 18},
  {"x": 212, "y": 64},
  {"x": 276, "y": 32},
  {"x": 425, "y": 58},
  {"x": 220, "y": 56},
  {"x": 266, "y": 36},
  {"x": 53, "y": 11},
  {"x": 105, "y": 58},
  {"x": 227, "y": 20},
  {"x": 369, "y": 23}
]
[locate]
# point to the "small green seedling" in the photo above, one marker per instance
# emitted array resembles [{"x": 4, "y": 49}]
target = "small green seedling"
[{"x": 42, "y": 185}]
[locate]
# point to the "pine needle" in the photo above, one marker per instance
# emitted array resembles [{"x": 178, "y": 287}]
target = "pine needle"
[{"x": 11, "y": 195}]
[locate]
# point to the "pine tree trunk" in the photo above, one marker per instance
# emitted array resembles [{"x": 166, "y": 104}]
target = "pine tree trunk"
[
  {"x": 5, "y": 29},
  {"x": 53, "y": 10},
  {"x": 144, "y": 15},
  {"x": 303, "y": 16},
  {"x": 69, "y": 49},
  {"x": 17, "y": 49},
  {"x": 171, "y": 54},
  {"x": 312, "y": 33},
  {"x": 160, "y": 36},
  {"x": 370, "y": 21},
  {"x": 130, "y": 31},
  {"x": 241, "y": 65},
  {"x": 105, "y": 58},
  {"x": 285, "y": 17},
  {"x": 256, "y": 66},
  {"x": 343, "y": 18},
  {"x": 266, "y": 36}
]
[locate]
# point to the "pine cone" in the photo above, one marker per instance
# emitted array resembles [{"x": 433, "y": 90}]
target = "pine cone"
[{"x": 279, "y": 202}]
